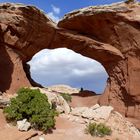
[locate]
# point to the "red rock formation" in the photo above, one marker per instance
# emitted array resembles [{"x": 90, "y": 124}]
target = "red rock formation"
[
  {"x": 24, "y": 31},
  {"x": 118, "y": 28},
  {"x": 108, "y": 34}
]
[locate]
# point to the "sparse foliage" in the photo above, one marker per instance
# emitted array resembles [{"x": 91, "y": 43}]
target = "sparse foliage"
[
  {"x": 66, "y": 96},
  {"x": 100, "y": 130},
  {"x": 34, "y": 106}
]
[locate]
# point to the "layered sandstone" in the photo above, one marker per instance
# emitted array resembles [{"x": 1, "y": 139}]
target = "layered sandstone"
[
  {"x": 118, "y": 28},
  {"x": 24, "y": 30},
  {"x": 108, "y": 34}
]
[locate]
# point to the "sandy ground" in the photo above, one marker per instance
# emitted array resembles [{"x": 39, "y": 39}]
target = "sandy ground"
[
  {"x": 67, "y": 130},
  {"x": 8, "y": 132}
]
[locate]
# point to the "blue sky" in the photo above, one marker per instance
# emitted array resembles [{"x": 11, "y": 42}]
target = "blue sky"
[{"x": 62, "y": 66}]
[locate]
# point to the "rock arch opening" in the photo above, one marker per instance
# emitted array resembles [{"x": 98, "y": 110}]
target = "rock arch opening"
[
  {"x": 107, "y": 34},
  {"x": 65, "y": 67}
]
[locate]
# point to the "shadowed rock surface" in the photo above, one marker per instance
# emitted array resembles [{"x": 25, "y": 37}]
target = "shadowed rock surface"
[{"x": 108, "y": 34}]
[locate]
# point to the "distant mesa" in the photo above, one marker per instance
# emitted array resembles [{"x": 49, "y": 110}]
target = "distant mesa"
[
  {"x": 63, "y": 89},
  {"x": 84, "y": 93},
  {"x": 68, "y": 89}
]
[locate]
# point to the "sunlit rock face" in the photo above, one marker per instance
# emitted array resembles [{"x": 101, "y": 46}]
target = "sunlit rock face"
[
  {"x": 108, "y": 34},
  {"x": 115, "y": 33}
]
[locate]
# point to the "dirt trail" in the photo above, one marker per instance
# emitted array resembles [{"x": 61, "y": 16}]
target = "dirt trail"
[
  {"x": 67, "y": 130},
  {"x": 8, "y": 132}
]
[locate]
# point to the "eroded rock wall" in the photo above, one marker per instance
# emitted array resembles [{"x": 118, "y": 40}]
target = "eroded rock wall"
[
  {"x": 108, "y": 34},
  {"x": 117, "y": 26},
  {"x": 24, "y": 30}
]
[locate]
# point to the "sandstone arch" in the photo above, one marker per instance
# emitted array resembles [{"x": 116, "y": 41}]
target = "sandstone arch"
[{"x": 110, "y": 35}]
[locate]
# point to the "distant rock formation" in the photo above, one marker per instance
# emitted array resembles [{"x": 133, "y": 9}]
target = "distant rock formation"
[
  {"x": 108, "y": 34},
  {"x": 63, "y": 89},
  {"x": 84, "y": 93}
]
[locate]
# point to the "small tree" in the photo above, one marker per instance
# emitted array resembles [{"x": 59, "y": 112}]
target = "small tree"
[{"x": 32, "y": 105}]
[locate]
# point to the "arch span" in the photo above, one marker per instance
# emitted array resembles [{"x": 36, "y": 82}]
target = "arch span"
[{"x": 110, "y": 35}]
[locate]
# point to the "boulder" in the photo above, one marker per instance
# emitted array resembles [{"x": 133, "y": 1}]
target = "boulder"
[
  {"x": 56, "y": 99},
  {"x": 97, "y": 114},
  {"x": 100, "y": 113},
  {"x": 120, "y": 125},
  {"x": 23, "y": 125},
  {"x": 62, "y": 103},
  {"x": 78, "y": 111},
  {"x": 95, "y": 106},
  {"x": 63, "y": 89}
]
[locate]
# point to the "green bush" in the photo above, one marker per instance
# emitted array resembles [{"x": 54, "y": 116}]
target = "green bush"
[
  {"x": 32, "y": 105},
  {"x": 66, "y": 96},
  {"x": 98, "y": 129}
]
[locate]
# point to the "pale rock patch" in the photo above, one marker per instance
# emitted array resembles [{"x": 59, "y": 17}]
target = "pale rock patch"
[
  {"x": 23, "y": 125},
  {"x": 56, "y": 99},
  {"x": 94, "y": 113},
  {"x": 63, "y": 89}
]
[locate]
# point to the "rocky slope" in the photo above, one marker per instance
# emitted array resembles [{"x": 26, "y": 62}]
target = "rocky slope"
[
  {"x": 108, "y": 34},
  {"x": 71, "y": 123}
]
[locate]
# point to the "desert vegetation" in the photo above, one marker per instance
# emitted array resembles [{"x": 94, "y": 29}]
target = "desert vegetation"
[
  {"x": 100, "y": 129},
  {"x": 66, "y": 96},
  {"x": 31, "y": 105}
]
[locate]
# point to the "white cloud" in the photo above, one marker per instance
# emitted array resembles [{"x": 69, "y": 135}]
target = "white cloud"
[
  {"x": 63, "y": 66},
  {"x": 56, "y": 10},
  {"x": 54, "y": 13},
  {"x": 53, "y": 17},
  {"x": 76, "y": 62}
]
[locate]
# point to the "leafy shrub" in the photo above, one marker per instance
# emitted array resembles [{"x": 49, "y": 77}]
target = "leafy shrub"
[
  {"x": 98, "y": 129},
  {"x": 66, "y": 96},
  {"x": 32, "y": 105}
]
